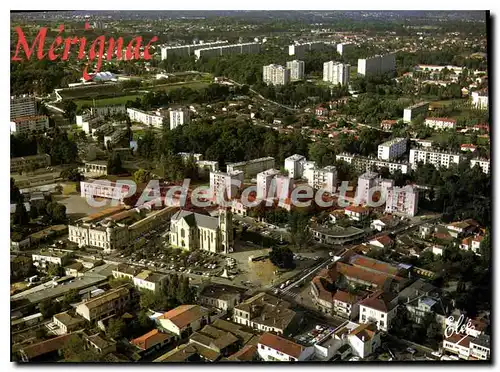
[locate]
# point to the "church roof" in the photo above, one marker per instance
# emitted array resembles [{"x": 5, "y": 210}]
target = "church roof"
[{"x": 196, "y": 219}]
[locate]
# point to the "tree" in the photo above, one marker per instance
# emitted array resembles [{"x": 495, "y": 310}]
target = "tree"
[
  {"x": 115, "y": 164},
  {"x": 69, "y": 108},
  {"x": 21, "y": 216},
  {"x": 299, "y": 230},
  {"x": 15, "y": 194},
  {"x": 142, "y": 176},
  {"x": 116, "y": 328},
  {"x": 282, "y": 257},
  {"x": 54, "y": 270}
]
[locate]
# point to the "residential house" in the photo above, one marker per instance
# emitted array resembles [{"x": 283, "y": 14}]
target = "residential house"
[
  {"x": 426, "y": 230},
  {"x": 67, "y": 323},
  {"x": 468, "y": 347},
  {"x": 151, "y": 341},
  {"x": 222, "y": 297},
  {"x": 379, "y": 308},
  {"x": 346, "y": 304},
  {"x": 463, "y": 228},
  {"x": 76, "y": 269},
  {"x": 265, "y": 313},
  {"x": 472, "y": 244},
  {"x": 44, "y": 350},
  {"x": 184, "y": 319},
  {"x": 104, "y": 305},
  {"x": 247, "y": 353},
  {"x": 273, "y": 348},
  {"x": 364, "y": 339},
  {"x": 383, "y": 223},
  {"x": 382, "y": 241},
  {"x": 357, "y": 213},
  {"x": 100, "y": 344}
]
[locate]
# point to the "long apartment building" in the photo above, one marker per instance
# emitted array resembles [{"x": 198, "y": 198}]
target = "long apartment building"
[
  {"x": 440, "y": 123},
  {"x": 22, "y": 106},
  {"x": 411, "y": 112},
  {"x": 402, "y": 201},
  {"x": 221, "y": 183},
  {"x": 362, "y": 163},
  {"x": 392, "y": 149},
  {"x": 186, "y": 50},
  {"x": 377, "y": 65},
  {"x": 224, "y": 50},
  {"x": 116, "y": 227},
  {"x": 24, "y": 124},
  {"x": 29, "y": 162},
  {"x": 276, "y": 75},
  {"x": 300, "y": 49},
  {"x": 297, "y": 69},
  {"x": 336, "y": 72},
  {"x": 103, "y": 189},
  {"x": 252, "y": 167},
  {"x": 145, "y": 117},
  {"x": 178, "y": 117},
  {"x": 438, "y": 158},
  {"x": 107, "y": 304}
]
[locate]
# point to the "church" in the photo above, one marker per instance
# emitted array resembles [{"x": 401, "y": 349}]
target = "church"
[{"x": 191, "y": 231}]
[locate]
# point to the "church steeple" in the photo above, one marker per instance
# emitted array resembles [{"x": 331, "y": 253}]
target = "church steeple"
[{"x": 226, "y": 229}]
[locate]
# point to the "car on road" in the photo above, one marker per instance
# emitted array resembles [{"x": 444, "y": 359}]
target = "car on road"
[
  {"x": 276, "y": 291},
  {"x": 287, "y": 282},
  {"x": 411, "y": 350},
  {"x": 282, "y": 286}
]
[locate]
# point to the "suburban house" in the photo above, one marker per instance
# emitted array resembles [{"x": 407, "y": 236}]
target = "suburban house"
[
  {"x": 346, "y": 304},
  {"x": 364, "y": 339},
  {"x": 463, "y": 228},
  {"x": 66, "y": 323},
  {"x": 273, "y": 348},
  {"x": 468, "y": 347},
  {"x": 100, "y": 344},
  {"x": 184, "y": 319},
  {"x": 382, "y": 241},
  {"x": 472, "y": 244}
]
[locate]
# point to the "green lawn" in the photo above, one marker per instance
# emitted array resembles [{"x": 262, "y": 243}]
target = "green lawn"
[
  {"x": 189, "y": 84},
  {"x": 107, "y": 101}
]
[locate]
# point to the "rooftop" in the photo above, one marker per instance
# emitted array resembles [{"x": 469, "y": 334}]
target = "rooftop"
[
  {"x": 281, "y": 344},
  {"x": 183, "y": 315},
  {"x": 150, "y": 339}
]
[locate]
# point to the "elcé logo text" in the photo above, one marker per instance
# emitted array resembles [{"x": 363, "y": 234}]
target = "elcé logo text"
[{"x": 61, "y": 47}]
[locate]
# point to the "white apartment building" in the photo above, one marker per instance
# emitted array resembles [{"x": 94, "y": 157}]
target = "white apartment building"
[
  {"x": 343, "y": 48},
  {"x": 402, "y": 200},
  {"x": 392, "y": 149},
  {"x": 221, "y": 183},
  {"x": 322, "y": 178},
  {"x": 178, "y": 117},
  {"x": 336, "y": 72},
  {"x": 480, "y": 99},
  {"x": 252, "y": 167},
  {"x": 377, "y": 65},
  {"x": 440, "y": 123},
  {"x": 100, "y": 111},
  {"x": 276, "y": 75},
  {"x": 22, "y": 106},
  {"x": 103, "y": 189},
  {"x": 25, "y": 124},
  {"x": 223, "y": 50},
  {"x": 266, "y": 184},
  {"x": 145, "y": 118},
  {"x": 468, "y": 347},
  {"x": 483, "y": 163},
  {"x": 297, "y": 69},
  {"x": 295, "y": 165},
  {"x": 438, "y": 158},
  {"x": 366, "y": 182},
  {"x": 362, "y": 163},
  {"x": 186, "y": 50},
  {"x": 410, "y": 113},
  {"x": 300, "y": 50}
]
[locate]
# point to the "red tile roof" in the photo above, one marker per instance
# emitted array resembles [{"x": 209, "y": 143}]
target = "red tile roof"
[
  {"x": 448, "y": 120},
  {"x": 44, "y": 347},
  {"x": 380, "y": 301},
  {"x": 384, "y": 240},
  {"x": 183, "y": 315},
  {"x": 150, "y": 339},
  {"x": 345, "y": 297},
  {"x": 357, "y": 209},
  {"x": 247, "y": 353},
  {"x": 362, "y": 274},
  {"x": 373, "y": 264},
  {"x": 365, "y": 332},
  {"x": 281, "y": 344}
]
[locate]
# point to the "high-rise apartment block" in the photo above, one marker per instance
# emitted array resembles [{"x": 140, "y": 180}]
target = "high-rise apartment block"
[
  {"x": 225, "y": 184},
  {"x": 276, "y": 75},
  {"x": 336, "y": 73},
  {"x": 377, "y": 65},
  {"x": 178, "y": 117},
  {"x": 295, "y": 165},
  {"x": 22, "y": 106},
  {"x": 438, "y": 158},
  {"x": 402, "y": 200},
  {"x": 296, "y": 68},
  {"x": 392, "y": 149},
  {"x": 410, "y": 113}
]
